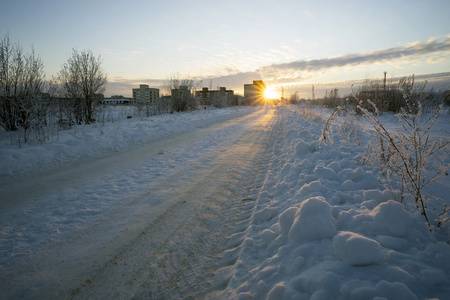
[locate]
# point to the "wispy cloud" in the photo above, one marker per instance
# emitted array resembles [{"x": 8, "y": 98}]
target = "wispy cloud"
[
  {"x": 295, "y": 72},
  {"x": 416, "y": 49},
  {"x": 137, "y": 81},
  {"x": 300, "y": 70}
]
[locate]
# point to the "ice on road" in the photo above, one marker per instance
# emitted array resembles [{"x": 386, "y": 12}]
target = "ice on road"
[{"x": 150, "y": 221}]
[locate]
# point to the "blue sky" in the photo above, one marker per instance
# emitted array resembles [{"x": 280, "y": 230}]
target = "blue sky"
[{"x": 230, "y": 43}]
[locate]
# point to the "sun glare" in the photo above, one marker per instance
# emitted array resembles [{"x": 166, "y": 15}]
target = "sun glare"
[{"x": 270, "y": 93}]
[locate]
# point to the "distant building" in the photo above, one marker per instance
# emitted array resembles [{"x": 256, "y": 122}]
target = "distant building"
[
  {"x": 181, "y": 93},
  {"x": 254, "y": 93},
  {"x": 220, "y": 97},
  {"x": 116, "y": 101},
  {"x": 145, "y": 94}
]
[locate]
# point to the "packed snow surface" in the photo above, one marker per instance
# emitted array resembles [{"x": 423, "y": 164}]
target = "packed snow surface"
[{"x": 239, "y": 203}]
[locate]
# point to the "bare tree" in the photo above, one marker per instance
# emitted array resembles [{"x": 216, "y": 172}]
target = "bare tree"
[
  {"x": 220, "y": 98},
  {"x": 81, "y": 79},
  {"x": 21, "y": 84},
  {"x": 182, "y": 91},
  {"x": 332, "y": 99},
  {"x": 293, "y": 99}
]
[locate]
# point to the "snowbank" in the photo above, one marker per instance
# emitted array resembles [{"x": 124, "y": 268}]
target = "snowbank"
[
  {"x": 330, "y": 230},
  {"x": 91, "y": 140}
]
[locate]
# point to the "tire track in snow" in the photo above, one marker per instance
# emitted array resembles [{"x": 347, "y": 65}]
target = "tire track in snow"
[{"x": 178, "y": 254}]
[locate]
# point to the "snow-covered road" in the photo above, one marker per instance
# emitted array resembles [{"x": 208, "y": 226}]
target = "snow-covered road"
[
  {"x": 150, "y": 221},
  {"x": 234, "y": 203}
]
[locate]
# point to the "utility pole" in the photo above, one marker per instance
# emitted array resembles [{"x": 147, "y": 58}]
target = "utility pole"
[{"x": 313, "y": 95}]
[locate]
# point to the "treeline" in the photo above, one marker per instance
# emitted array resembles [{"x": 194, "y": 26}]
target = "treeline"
[
  {"x": 30, "y": 103},
  {"x": 390, "y": 96}
]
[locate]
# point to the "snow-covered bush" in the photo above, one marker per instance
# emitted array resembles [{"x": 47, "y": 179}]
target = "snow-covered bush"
[
  {"x": 22, "y": 81},
  {"x": 307, "y": 113},
  {"x": 406, "y": 158},
  {"x": 311, "y": 114},
  {"x": 351, "y": 129}
]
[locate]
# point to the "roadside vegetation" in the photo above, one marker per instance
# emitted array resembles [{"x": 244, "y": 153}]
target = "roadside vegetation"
[
  {"x": 408, "y": 158},
  {"x": 33, "y": 108}
]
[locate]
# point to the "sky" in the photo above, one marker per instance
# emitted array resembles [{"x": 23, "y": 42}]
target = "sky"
[{"x": 294, "y": 44}]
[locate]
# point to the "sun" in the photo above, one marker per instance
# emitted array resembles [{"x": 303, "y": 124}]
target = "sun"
[{"x": 270, "y": 93}]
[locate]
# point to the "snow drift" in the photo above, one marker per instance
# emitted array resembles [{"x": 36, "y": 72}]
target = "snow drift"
[{"x": 335, "y": 232}]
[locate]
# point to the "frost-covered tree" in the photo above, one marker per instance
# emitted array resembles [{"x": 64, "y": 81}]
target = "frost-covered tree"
[
  {"x": 21, "y": 83},
  {"x": 182, "y": 91},
  {"x": 220, "y": 99},
  {"x": 81, "y": 79}
]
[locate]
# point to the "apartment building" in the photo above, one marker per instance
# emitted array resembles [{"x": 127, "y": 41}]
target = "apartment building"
[
  {"x": 220, "y": 97},
  {"x": 145, "y": 94},
  {"x": 254, "y": 93}
]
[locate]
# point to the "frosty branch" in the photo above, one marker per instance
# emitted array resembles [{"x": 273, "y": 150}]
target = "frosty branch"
[{"x": 405, "y": 158}]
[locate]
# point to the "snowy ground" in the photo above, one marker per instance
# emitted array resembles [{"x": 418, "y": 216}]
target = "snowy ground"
[
  {"x": 324, "y": 228},
  {"x": 239, "y": 203}
]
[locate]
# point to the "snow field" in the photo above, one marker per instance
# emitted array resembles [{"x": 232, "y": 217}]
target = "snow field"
[
  {"x": 324, "y": 228},
  {"x": 84, "y": 141},
  {"x": 315, "y": 224}
]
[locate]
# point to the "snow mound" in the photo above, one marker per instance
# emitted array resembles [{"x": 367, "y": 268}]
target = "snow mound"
[
  {"x": 277, "y": 292},
  {"x": 305, "y": 147},
  {"x": 355, "y": 249},
  {"x": 387, "y": 218},
  {"x": 267, "y": 235},
  {"x": 286, "y": 219},
  {"x": 264, "y": 214},
  {"x": 324, "y": 173},
  {"x": 394, "y": 290},
  {"x": 319, "y": 281},
  {"x": 390, "y": 217},
  {"x": 313, "y": 221}
]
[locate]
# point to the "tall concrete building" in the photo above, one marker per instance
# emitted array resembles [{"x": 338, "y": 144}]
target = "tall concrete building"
[
  {"x": 254, "y": 93},
  {"x": 145, "y": 94}
]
